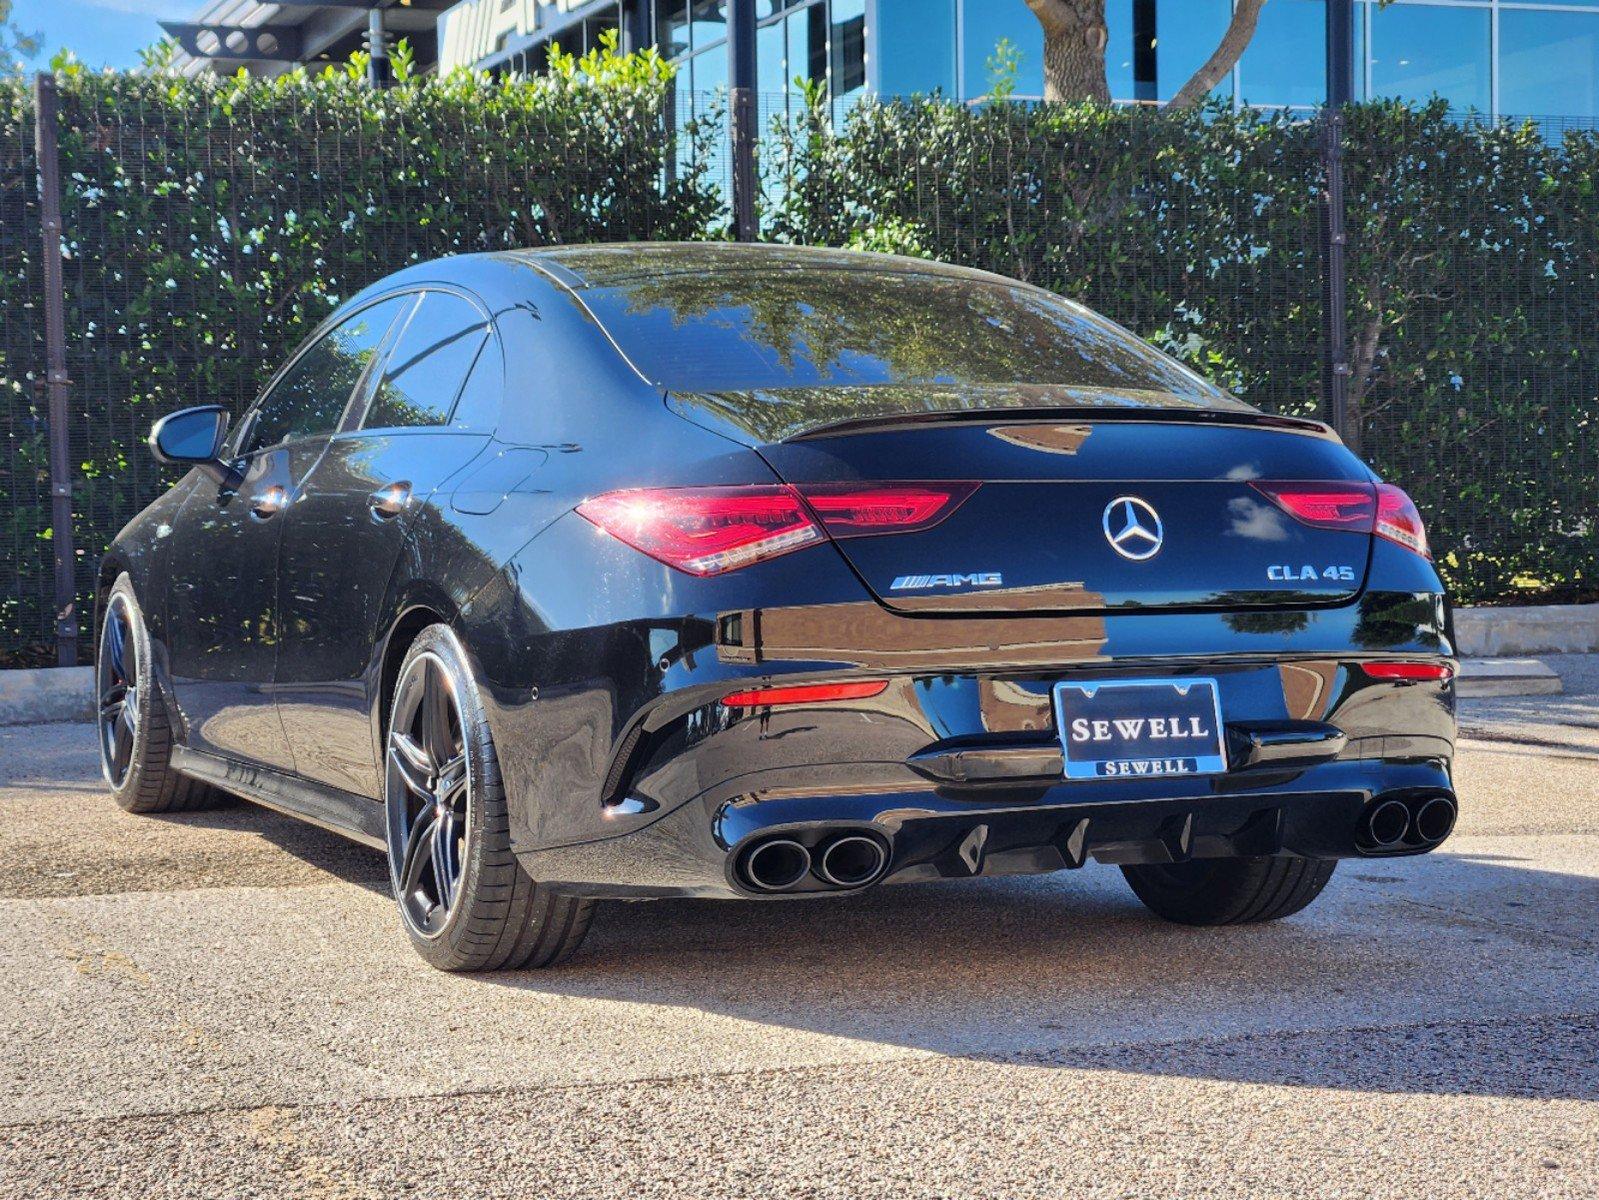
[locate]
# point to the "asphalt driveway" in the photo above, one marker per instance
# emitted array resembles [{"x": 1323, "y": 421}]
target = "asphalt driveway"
[{"x": 223, "y": 1004}]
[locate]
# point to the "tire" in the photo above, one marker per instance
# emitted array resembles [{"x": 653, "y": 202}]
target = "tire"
[
  {"x": 464, "y": 899},
  {"x": 131, "y": 722},
  {"x": 1230, "y": 891}
]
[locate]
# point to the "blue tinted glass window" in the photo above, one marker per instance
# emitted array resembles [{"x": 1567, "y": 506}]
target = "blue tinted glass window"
[
  {"x": 919, "y": 41},
  {"x": 771, "y": 69},
  {"x": 1548, "y": 64},
  {"x": 1418, "y": 51},
  {"x": 1186, "y": 34},
  {"x": 1119, "y": 49},
  {"x": 1286, "y": 62},
  {"x": 848, "y": 47},
  {"x": 984, "y": 24},
  {"x": 710, "y": 71}
]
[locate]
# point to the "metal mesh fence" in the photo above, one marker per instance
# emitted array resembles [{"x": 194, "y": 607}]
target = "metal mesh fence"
[
  {"x": 209, "y": 224},
  {"x": 26, "y": 585}
]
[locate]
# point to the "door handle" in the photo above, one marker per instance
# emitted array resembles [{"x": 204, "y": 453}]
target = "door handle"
[
  {"x": 269, "y": 502},
  {"x": 390, "y": 500}
]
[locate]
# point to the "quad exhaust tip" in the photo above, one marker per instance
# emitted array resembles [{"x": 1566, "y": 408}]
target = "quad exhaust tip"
[
  {"x": 853, "y": 860},
  {"x": 846, "y": 860},
  {"x": 1416, "y": 822}
]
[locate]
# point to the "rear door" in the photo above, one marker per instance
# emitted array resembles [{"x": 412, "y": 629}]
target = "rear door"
[
  {"x": 1086, "y": 515},
  {"x": 349, "y": 525}
]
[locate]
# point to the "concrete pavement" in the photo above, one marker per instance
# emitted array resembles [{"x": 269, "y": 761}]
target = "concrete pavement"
[{"x": 223, "y": 1005}]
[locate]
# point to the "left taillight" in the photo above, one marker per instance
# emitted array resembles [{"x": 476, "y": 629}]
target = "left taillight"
[
  {"x": 1380, "y": 509},
  {"x": 706, "y": 531},
  {"x": 709, "y": 531}
]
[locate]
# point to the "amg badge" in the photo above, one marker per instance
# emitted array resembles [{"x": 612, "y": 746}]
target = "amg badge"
[{"x": 904, "y": 583}]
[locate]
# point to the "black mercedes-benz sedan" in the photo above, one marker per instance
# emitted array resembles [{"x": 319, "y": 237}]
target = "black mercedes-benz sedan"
[{"x": 752, "y": 571}]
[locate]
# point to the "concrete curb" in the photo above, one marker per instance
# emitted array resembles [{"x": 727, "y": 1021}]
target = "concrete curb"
[
  {"x": 1506, "y": 677},
  {"x": 46, "y": 694},
  {"x": 1532, "y": 629}
]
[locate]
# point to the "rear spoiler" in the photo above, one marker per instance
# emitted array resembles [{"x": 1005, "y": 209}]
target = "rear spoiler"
[{"x": 1088, "y": 414}]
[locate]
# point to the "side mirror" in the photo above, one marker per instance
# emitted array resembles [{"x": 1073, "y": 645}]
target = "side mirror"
[{"x": 193, "y": 437}]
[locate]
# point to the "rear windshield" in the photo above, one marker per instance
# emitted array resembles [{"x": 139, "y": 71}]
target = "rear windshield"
[{"x": 744, "y": 330}]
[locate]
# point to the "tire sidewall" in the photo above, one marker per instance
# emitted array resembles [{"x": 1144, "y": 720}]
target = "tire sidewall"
[
  {"x": 127, "y": 795},
  {"x": 442, "y": 948}
]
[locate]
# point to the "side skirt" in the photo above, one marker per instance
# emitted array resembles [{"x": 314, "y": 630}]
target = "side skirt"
[{"x": 354, "y": 816}]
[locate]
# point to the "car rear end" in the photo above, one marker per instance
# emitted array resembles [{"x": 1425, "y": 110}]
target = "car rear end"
[{"x": 980, "y": 628}]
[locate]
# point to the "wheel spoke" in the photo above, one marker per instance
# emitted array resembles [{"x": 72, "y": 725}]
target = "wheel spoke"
[
  {"x": 130, "y": 709},
  {"x": 412, "y": 762},
  {"x": 121, "y": 743},
  {"x": 443, "y": 878},
  {"x": 418, "y": 851},
  {"x": 436, "y": 708},
  {"x": 452, "y": 780},
  {"x": 118, "y": 646}
]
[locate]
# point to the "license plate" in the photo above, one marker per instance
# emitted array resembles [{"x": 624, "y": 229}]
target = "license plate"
[{"x": 1115, "y": 728}]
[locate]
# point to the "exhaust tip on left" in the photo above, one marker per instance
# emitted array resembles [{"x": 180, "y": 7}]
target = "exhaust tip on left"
[{"x": 776, "y": 865}]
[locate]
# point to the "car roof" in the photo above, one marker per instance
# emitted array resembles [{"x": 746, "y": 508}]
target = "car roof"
[{"x": 618, "y": 263}]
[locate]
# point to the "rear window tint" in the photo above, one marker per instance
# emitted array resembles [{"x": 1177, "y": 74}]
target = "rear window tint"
[{"x": 743, "y": 330}]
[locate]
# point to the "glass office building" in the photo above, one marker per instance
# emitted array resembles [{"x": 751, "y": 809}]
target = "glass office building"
[{"x": 1517, "y": 58}]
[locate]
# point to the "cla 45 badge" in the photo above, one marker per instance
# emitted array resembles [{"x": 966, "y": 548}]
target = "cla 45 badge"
[{"x": 1287, "y": 574}]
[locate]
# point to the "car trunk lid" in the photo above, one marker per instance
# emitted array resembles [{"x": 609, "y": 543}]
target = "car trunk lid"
[{"x": 1142, "y": 507}]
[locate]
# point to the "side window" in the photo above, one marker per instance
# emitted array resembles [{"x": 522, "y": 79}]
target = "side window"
[
  {"x": 428, "y": 365},
  {"x": 310, "y": 399}
]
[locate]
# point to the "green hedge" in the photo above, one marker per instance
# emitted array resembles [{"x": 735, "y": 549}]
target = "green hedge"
[
  {"x": 211, "y": 222},
  {"x": 1472, "y": 278}
]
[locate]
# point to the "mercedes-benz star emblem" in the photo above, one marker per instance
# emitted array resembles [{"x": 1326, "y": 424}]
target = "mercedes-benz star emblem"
[{"x": 1133, "y": 528}]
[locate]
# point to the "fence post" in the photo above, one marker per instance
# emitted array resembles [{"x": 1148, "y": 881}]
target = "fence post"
[
  {"x": 742, "y": 114},
  {"x": 1335, "y": 306},
  {"x": 56, "y": 382}
]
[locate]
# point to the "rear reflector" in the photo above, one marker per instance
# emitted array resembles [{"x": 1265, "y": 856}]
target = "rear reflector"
[
  {"x": 1412, "y": 671},
  {"x": 807, "y": 693},
  {"x": 706, "y": 531},
  {"x": 1382, "y": 509}
]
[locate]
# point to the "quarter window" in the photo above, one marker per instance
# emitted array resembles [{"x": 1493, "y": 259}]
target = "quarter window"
[
  {"x": 428, "y": 364},
  {"x": 309, "y": 400}
]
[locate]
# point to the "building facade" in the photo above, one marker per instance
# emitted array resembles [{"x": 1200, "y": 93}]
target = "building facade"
[{"x": 1511, "y": 58}]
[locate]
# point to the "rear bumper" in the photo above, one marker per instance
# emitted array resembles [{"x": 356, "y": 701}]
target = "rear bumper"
[{"x": 937, "y": 831}]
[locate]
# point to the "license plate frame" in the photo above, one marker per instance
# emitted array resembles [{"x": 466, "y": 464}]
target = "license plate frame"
[{"x": 1202, "y": 753}]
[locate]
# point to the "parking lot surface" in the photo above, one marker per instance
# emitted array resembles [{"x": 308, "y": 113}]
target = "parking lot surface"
[{"x": 223, "y": 1004}]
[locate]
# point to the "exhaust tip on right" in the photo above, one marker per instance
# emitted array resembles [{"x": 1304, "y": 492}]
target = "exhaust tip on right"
[
  {"x": 1435, "y": 820},
  {"x": 853, "y": 860},
  {"x": 776, "y": 865}
]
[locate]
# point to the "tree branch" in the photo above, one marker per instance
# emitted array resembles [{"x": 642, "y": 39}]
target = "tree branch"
[{"x": 1233, "y": 43}]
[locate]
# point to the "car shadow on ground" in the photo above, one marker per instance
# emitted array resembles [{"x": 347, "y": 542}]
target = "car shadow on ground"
[{"x": 1400, "y": 979}]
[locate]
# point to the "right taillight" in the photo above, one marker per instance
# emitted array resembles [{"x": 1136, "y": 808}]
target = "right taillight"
[
  {"x": 709, "y": 531},
  {"x": 1381, "y": 509},
  {"x": 1398, "y": 520}
]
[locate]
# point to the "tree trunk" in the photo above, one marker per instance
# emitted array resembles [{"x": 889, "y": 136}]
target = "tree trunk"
[
  {"x": 1074, "y": 49},
  {"x": 1233, "y": 44}
]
